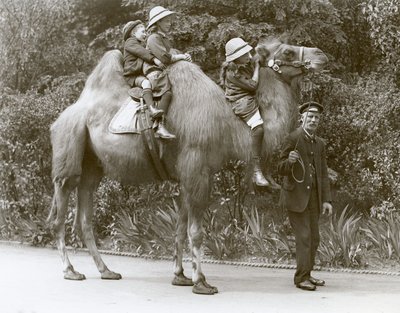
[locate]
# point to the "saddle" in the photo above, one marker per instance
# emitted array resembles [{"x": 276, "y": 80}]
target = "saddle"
[
  {"x": 134, "y": 118},
  {"x": 126, "y": 120}
]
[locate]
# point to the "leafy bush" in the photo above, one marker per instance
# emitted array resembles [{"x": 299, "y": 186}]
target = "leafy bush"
[
  {"x": 362, "y": 130},
  {"x": 341, "y": 241},
  {"x": 25, "y": 160}
]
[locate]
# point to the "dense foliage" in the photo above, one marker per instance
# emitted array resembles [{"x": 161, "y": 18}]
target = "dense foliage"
[{"x": 47, "y": 48}]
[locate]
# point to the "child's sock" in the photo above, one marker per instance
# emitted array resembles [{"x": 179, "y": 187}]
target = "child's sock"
[
  {"x": 148, "y": 96},
  {"x": 165, "y": 101},
  {"x": 257, "y": 135}
]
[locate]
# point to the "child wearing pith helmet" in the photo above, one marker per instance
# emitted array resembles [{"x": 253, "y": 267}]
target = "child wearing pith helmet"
[
  {"x": 158, "y": 43},
  {"x": 239, "y": 78},
  {"x": 135, "y": 54}
]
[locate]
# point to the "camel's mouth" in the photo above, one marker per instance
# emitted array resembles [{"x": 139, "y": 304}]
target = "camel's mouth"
[{"x": 317, "y": 65}]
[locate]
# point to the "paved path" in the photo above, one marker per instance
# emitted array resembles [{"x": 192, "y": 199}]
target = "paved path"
[{"x": 31, "y": 282}]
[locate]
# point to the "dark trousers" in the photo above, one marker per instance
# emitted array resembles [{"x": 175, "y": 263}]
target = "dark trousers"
[{"x": 306, "y": 232}]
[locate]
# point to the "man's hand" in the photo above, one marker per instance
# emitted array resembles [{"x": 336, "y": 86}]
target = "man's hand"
[
  {"x": 159, "y": 63},
  {"x": 327, "y": 208},
  {"x": 293, "y": 156}
]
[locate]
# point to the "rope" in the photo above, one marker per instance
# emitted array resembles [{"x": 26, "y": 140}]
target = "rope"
[{"x": 217, "y": 262}]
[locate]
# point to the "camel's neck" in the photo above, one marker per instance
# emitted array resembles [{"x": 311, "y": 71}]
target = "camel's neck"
[{"x": 274, "y": 88}]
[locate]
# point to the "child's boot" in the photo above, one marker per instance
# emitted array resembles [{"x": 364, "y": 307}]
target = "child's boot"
[
  {"x": 162, "y": 131},
  {"x": 148, "y": 99},
  {"x": 155, "y": 113},
  {"x": 258, "y": 177}
]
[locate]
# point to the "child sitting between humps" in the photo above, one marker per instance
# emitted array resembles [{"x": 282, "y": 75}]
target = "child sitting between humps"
[{"x": 135, "y": 54}]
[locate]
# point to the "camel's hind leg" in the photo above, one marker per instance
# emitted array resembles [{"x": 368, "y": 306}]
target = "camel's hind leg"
[
  {"x": 62, "y": 191},
  {"x": 181, "y": 234},
  {"x": 90, "y": 180}
]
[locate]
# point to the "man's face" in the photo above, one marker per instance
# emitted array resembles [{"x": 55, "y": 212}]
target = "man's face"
[
  {"x": 140, "y": 33},
  {"x": 310, "y": 121}
]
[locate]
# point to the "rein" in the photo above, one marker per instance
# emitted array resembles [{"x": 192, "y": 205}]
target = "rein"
[
  {"x": 275, "y": 64},
  {"x": 300, "y": 160}
]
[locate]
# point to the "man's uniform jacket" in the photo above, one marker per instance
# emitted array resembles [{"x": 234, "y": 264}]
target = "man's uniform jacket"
[{"x": 295, "y": 196}]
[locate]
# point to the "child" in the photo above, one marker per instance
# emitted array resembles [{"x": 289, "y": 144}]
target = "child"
[
  {"x": 240, "y": 80},
  {"x": 135, "y": 54},
  {"x": 160, "y": 21}
]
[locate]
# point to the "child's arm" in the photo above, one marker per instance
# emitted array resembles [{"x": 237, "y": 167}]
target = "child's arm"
[
  {"x": 155, "y": 45},
  {"x": 243, "y": 82},
  {"x": 256, "y": 73},
  {"x": 139, "y": 51}
]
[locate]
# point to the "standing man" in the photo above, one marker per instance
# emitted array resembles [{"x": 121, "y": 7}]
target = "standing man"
[{"x": 305, "y": 191}]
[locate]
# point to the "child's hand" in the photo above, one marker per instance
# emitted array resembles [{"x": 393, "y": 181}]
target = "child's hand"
[
  {"x": 187, "y": 57},
  {"x": 159, "y": 63},
  {"x": 183, "y": 57}
]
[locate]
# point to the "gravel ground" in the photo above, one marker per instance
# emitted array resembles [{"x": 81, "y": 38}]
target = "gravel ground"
[{"x": 32, "y": 282}]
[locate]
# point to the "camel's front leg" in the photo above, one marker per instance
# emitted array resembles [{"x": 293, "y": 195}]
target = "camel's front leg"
[
  {"x": 196, "y": 239},
  {"x": 196, "y": 183},
  {"x": 181, "y": 234}
]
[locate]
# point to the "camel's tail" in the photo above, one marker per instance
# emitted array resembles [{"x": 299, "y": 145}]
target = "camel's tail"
[{"x": 53, "y": 211}]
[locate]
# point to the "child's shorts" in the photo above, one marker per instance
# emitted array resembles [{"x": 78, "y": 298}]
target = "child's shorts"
[
  {"x": 159, "y": 82},
  {"x": 135, "y": 81}
]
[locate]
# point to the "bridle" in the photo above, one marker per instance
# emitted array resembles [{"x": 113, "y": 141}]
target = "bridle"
[{"x": 275, "y": 64}]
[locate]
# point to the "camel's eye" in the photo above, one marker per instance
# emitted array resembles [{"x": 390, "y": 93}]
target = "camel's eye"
[{"x": 289, "y": 54}]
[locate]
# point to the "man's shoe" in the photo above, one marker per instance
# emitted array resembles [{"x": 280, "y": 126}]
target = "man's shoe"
[
  {"x": 316, "y": 282},
  {"x": 306, "y": 285}
]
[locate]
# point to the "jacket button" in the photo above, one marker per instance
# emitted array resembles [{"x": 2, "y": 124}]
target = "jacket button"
[{"x": 308, "y": 187}]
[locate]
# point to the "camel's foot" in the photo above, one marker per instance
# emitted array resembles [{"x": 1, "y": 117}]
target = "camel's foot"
[
  {"x": 182, "y": 280},
  {"x": 107, "y": 274},
  {"x": 203, "y": 288},
  {"x": 71, "y": 274}
]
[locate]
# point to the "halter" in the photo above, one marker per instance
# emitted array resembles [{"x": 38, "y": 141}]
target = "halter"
[{"x": 275, "y": 64}]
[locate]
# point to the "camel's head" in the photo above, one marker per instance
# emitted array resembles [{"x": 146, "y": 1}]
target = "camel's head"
[{"x": 290, "y": 60}]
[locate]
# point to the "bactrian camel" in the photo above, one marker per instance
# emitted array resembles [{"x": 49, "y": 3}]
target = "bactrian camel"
[{"x": 208, "y": 135}]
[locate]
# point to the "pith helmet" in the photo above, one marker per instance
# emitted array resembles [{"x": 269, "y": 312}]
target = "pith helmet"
[
  {"x": 157, "y": 13},
  {"x": 128, "y": 28},
  {"x": 235, "y": 48}
]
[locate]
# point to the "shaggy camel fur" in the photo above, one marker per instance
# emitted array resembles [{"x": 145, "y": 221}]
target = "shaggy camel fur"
[{"x": 208, "y": 135}]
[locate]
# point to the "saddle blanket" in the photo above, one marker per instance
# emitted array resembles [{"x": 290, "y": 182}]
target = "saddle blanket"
[{"x": 126, "y": 120}]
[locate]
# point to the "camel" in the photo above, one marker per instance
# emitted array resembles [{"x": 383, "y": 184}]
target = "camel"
[{"x": 208, "y": 135}]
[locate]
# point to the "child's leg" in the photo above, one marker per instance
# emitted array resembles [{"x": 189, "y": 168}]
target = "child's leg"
[
  {"x": 165, "y": 101},
  {"x": 257, "y": 134},
  {"x": 147, "y": 93},
  {"x": 164, "y": 105},
  {"x": 148, "y": 99}
]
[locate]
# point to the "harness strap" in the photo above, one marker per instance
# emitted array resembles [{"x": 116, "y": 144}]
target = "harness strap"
[{"x": 149, "y": 141}]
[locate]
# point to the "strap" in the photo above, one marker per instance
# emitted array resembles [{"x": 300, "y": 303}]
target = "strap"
[{"x": 149, "y": 141}]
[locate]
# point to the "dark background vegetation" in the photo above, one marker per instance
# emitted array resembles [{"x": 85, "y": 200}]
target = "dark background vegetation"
[{"x": 48, "y": 47}]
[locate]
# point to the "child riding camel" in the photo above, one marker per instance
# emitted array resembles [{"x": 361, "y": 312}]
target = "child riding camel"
[
  {"x": 240, "y": 80},
  {"x": 160, "y": 21},
  {"x": 135, "y": 54}
]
